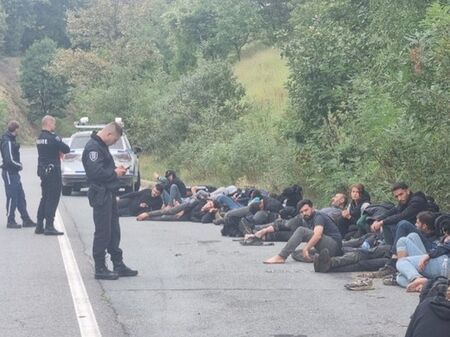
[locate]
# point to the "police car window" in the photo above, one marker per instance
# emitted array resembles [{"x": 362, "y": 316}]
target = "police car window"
[{"x": 79, "y": 142}]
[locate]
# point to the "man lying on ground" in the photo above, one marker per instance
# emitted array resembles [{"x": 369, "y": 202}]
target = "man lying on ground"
[{"x": 145, "y": 200}]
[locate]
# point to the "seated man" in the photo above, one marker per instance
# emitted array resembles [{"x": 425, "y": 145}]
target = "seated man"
[
  {"x": 175, "y": 188},
  {"x": 181, "y": 212},
  {"x": 282, "y": 230},
  {"x": 409, "y": 205},
  {"x": 418, "y": 239},
  {"x": 145, "y": 200},
  {"x": 414, "y": 270},
  {"x": 321, "y": 233}
]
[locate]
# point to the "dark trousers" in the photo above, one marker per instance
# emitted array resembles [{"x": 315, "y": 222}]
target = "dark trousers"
[
  {"x": 107, "y": 231},
  {"x": 51, "y": 193},
  {"x": 360, "y": 260},
  {"x": 15, "y": 196},
  {"x": 303, "y": 234}
]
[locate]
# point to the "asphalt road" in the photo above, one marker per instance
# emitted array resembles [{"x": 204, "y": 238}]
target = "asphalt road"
[{"x": 191, "y": 282}]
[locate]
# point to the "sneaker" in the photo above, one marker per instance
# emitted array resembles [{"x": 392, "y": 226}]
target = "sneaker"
[
  {"x": 13, "y": 225},
  {"x": 103, "y": 273},
  {"x": 298, "y": 256},
  {"x": 360, "y": 284},
  {"x": 52, "y": 231},
  {"x": 28, "y": 223},
  {"x": 122, "y": 270},
  {"x": 380, "y": 273},
  {"x": 390, "y": 280},
  {"x": 322, "y": 261}
]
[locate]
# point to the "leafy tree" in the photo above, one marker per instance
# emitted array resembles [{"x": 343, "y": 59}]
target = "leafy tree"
[{"x": 46, "y": 92}]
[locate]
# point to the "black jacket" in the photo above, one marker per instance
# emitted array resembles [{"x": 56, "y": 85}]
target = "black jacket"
[
  {"x": 139, "y": 197},
  {"x": 49, "y": 145},
  {"x": 431, "y": 318},
  {"x": 408, "y": 211},
  {"x": 99, "y": 164},
  {"x": 10, "y": 153}
]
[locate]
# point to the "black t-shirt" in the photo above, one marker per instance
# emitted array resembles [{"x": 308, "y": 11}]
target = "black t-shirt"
[{"x": 329, "y": 227}]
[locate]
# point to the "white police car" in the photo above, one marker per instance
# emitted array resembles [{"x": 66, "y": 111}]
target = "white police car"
[{"x": 73, "y": 174}]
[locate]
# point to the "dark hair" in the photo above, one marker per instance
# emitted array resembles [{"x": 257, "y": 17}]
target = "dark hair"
[
  {"x": 170, "y": 173},
  {"x": 359, "y": 187},
  {"x": 304, "y": 202},
  {"x": 159, "y": 187},
  {"x": 427, "y": 218},
  {"x": 399, "y": 185},
  {"x": 13, "y": 126}
]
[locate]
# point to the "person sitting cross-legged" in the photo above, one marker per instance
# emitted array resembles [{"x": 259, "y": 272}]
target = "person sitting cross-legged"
[{"x": 322, "y": 233}]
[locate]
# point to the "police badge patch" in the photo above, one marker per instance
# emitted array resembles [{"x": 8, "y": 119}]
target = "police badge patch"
[{"x": 93, "y": 155}]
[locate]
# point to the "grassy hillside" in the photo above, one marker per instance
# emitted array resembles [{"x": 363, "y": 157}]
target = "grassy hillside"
[
  {"x": 264, "y": 73},
  {"x": 12, "y": 105}
]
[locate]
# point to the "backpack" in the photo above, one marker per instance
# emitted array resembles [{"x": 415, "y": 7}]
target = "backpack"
[{"x": 432, "y": 206}]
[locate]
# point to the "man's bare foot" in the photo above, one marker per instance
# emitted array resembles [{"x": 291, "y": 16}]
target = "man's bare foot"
[
  {"x": 416, "y": 285},
  {"x": 248, "y": 236},
  {"x": 277, "y": 259}
]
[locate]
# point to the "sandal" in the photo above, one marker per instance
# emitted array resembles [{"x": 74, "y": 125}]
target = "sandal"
[
  {"x": 252, "y": 241},
  {"x": 361, "y": 284}
]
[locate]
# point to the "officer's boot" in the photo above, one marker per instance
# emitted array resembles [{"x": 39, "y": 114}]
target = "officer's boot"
[
  {"x": 123, "y": 270},
  {"x": 39, "y": 227},
  {"x": 51, "y": 230},
  {"x": 28, "y": 223},
  {"x": 103, "y": 273},
  {"x": 13, "y": 224}
]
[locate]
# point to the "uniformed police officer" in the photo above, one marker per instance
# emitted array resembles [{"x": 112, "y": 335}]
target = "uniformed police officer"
[
  {"x": 102, "y": 175},
  {"x": 15, "y": 196},
  {"x": 49, "y": 146}
]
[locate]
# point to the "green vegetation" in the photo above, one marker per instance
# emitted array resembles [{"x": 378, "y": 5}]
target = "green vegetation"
[
  {"x": 264, "y": 74},
  {"x": 360, "y": 94}
]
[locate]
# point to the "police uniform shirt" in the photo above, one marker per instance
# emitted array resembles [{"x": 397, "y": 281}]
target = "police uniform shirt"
[
  {"x": 49, "y": 146},
  {"x": 99, "y": 163}
]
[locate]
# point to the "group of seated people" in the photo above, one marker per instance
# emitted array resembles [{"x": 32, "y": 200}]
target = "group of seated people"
[{"x": 405, "y": 244}]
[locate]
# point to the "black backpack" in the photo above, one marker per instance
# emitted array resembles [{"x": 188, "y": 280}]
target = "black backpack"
[{"x": 432, "y": 205}]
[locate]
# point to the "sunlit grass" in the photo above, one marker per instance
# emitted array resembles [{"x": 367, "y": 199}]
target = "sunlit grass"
[{"x": 264, "y": 74}]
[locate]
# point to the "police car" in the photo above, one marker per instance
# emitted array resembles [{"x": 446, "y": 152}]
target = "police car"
[{"x": 73, "y": 174}]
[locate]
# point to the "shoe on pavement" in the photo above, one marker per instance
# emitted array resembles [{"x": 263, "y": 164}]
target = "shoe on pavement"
[
  {"x": 52, "y": 231},
  {"x": 122, "y": 270},
  {"x": 390, "y": 280},
  {"x": 28, "y": 223},
  {"x": 360, "y": 285},
  {"x": 380, "y": 273},
  {"x": 39, "y": 228},
  {"x": 13, "y": 225},
  {"x": 103, "y": 273},
  {"x": 322, "y": 261}
]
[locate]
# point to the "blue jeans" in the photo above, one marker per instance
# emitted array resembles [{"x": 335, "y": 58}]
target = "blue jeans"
[
  {"x": 411, "y": 244},
  {"x": 225, "y": 200},
  {"x": 408, "y": 268}
]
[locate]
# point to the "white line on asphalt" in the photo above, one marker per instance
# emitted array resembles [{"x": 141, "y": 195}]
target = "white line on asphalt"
[{"x": 83, "y": 308}]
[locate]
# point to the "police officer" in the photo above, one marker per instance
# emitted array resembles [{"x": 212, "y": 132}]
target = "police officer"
[
  {"x": 102, "y": 175},
  {"x": 49, "y": 146},
  {"x": 15, "y": 196}
]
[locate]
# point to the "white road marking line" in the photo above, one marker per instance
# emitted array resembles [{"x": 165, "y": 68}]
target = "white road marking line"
[{"x": 83, "y": 308}]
